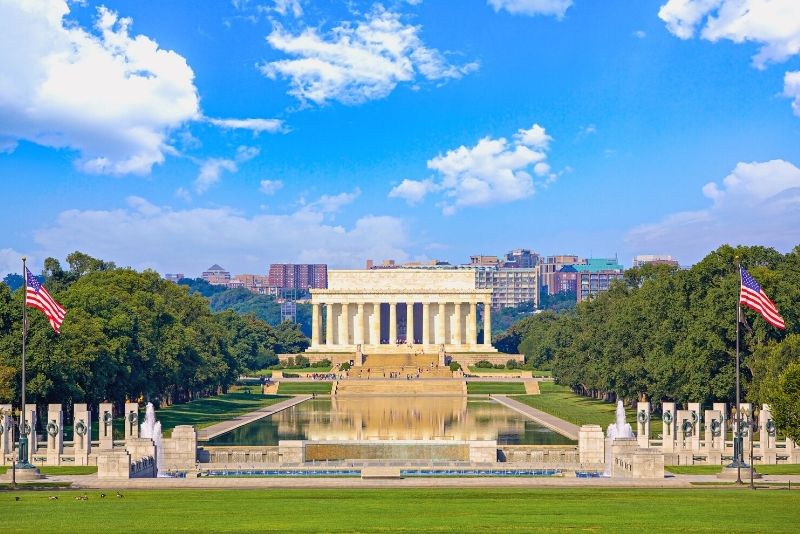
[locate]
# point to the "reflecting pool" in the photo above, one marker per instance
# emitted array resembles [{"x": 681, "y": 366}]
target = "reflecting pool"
[{"x": 389, "y": 418}]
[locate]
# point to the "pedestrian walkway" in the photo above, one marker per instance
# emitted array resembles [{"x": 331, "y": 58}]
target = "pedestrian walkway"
[
  {"x": 543, "y": 418},
  {"x": 231, "y": 424}
]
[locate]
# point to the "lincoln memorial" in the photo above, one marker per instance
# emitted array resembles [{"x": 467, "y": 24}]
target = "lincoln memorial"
[{"x": 399, "y": 311}]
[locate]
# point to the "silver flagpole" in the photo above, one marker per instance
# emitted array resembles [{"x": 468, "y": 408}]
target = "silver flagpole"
[{"x": 23, "y": 437}]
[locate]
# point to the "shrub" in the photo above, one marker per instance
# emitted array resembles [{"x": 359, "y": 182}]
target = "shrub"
[
  {"x": 513, "y": 364},
  {"x": 483, "y": 364},
  {"x": 455, "y": 366},
  {"x": 344, "y": 366},
  {"x": 323, "y": 363},
  {"x": 291, "y": 375},
  {"x": 499, "y": 366}
]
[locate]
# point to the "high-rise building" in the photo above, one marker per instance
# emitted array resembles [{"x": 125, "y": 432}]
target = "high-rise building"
[
  {"x": 510, "y": 287},
  {"x": 595, "y": 276},
  {"x": 653, "y": 259},
  {"x": 521, "y": 258},
  {"x": 216, "y": 275},
  {"x": 550, "y": 265},
  {"x": 392, "y": 264},
  {"x": 482, "y": 260},
  {"x": 297, "y": 275}
]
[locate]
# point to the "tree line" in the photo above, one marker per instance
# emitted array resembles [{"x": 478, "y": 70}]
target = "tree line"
[
  {"x": 665, "y": 333},
  {"x": 130, "y": 335}
]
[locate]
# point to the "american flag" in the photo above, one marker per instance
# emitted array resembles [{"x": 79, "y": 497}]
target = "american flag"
[
  {"x": 752, "y": 296},
  {"x": 36, "y": 296}
]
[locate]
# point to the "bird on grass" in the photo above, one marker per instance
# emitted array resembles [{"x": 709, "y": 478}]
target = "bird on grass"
[
  {"x": 102, "y": 495},
  {"x": 53, "y": 497},
  {"x": 119, "y": 495},
  {"x": 16, "y": 498}
]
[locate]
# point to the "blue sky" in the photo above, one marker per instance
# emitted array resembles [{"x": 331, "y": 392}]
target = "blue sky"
[{"x": 178, "y": 134}]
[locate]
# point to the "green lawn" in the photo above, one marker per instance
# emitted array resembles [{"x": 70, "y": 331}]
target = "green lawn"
[
  {"x": 480, "y": 370},
  {"x": 206, "y": 412},
  {"x": 301, "y": 388},
  {"x": 495, "y": 387},
  {"x": 61, "y": 469},
  {"x": 562, "y": 402},
  {"x": 459, "y": 510},
  {"x": 782, "y": 469},
  {"x": 268, "y": 372}
]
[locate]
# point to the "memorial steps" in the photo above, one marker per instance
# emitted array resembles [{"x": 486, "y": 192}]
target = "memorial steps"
[{"x": 426, "y": 387}]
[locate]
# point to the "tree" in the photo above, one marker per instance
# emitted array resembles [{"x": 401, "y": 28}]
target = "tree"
[{"x": 784, "y": 402}]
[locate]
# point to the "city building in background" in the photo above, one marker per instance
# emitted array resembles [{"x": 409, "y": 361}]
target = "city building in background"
[
  {"x": 653, "y": 259},
  {"x": 392, "y": 264},
  {"x": 253, "y": 282},
  {"x": 550, "y": 265},
  {"x": 565, "y": 280},
  {"x": 216, "y": 275},
  {"x": 481, "y": 260},
  {"x": 595, "y": 276},
  {"x": 297, "y": 275},
  {"x": 521, "y": 258},
  {"x": 174, "y": 277},
  {"x": 510, "y": 287}
]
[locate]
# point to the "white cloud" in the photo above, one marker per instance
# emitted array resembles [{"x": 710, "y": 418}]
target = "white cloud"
[
  {"x": 282, "y": 7},
  {"x": 211, "y": 169},
  {"x": 556, "y": 8},
  {"x": 357, "y": 61},
  {"x": 111, "y": 96},
  {"x": 333, "y": 203},
  {"x": 640, "y": 34},
  {"x": 791, "y": 88},
  {"x": 270, "y": 187},
  {"x": 491, "y": 172},
  {"x": 11, "y": 262},
  {"x": 774, "y": 24},
  {"x": 190, "y": 240},
  {"x": 255, "y": 125},
  {"x": 413, "y": 191},
  {"x": 756, "y": 204}
]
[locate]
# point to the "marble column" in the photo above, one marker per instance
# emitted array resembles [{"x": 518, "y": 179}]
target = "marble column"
[
  {"x": 472, "y": 324},
  {"x": 409, "y": 322},
  {"x": 344, "y": 330},
  {"x": 131, "y": 420},
  {"x": 315, "y": 324},
  {"x": 33, "y": 440},
  {"x": 393, "y": 323},
  {"x": 359, "y": 328},
  {"x": 55, "y": 434},
  {"x": 458, "y": 330},
  {"x": 487, "y": 323},
  {"x": 376, "y": 324},
  {"x": 426, "y": 323},
  {"x": 105, "y": 425},
  {"x": 329, "y": 324},
  {"x": 440, "y": 324},
  {"x": 82, "y": 433}
]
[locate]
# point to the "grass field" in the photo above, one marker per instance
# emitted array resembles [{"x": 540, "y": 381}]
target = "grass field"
[
  {"x": 562, "y": 402},
  {"x": 268, "y": 372},
  {"x": 61, "y": 470},
  {"x": 300, "y": 388},
  {"x": 495, "y": 387},
  {"x": 211, "y": 410},
  {"x": 481, "y": 370},
  {"x": 783, "y": 469},
  {"x": 461, "y": 510}
]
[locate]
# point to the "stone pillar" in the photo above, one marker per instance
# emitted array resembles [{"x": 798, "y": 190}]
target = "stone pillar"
[
  {"x": 668, "y": 418},
  {"x": 487, "y": 323},
  {"x": 456, "y": 336},
  {"x": 82, "y": 434},
  {"x": 410, "y": 323},
  {"x": 328, "y": 324},
  {"x": 54, "y": 430},
  {"x": 392, "y": 323},
  {"x": 440, "y": 324},
  {"x": 344, "y": 325},
  {"x": 131, "y": 420},
  {"x": 376, "y": 323},
  {"x": 105, "y": 425},
  {"x": 722, "y": 408},
  {"x": 767, "y": 434},
  {"x": 6, "y": 432},
  {"x": 472, "y": 324},
  {"x": 33, "y": 439},
  {"x": 591, "y": 445},
  {"x": 315, "y": 320},
  {"x": 714, "y": 436},
  {"x": 643, "y": 424},
  {"x": 747, "y": 413},
  {"x": 426, "y": 323},
  {"x": 358, "y": 330},
  {"x": 694, "y": 407}
]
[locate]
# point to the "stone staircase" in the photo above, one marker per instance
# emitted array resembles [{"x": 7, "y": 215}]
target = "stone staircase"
[{"x": 431, "y": 386}]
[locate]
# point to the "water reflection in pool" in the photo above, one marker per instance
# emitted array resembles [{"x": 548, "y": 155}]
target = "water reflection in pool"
[{"x": 417, "y": 418}]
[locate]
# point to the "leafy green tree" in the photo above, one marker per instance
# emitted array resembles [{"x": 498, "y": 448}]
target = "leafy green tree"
[{"x": 784, "y": 401}]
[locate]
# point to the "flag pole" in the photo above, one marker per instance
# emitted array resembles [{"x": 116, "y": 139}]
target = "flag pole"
[
  {"x": 23, "y": 437},
  {"x": 737, "y": 438}
]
